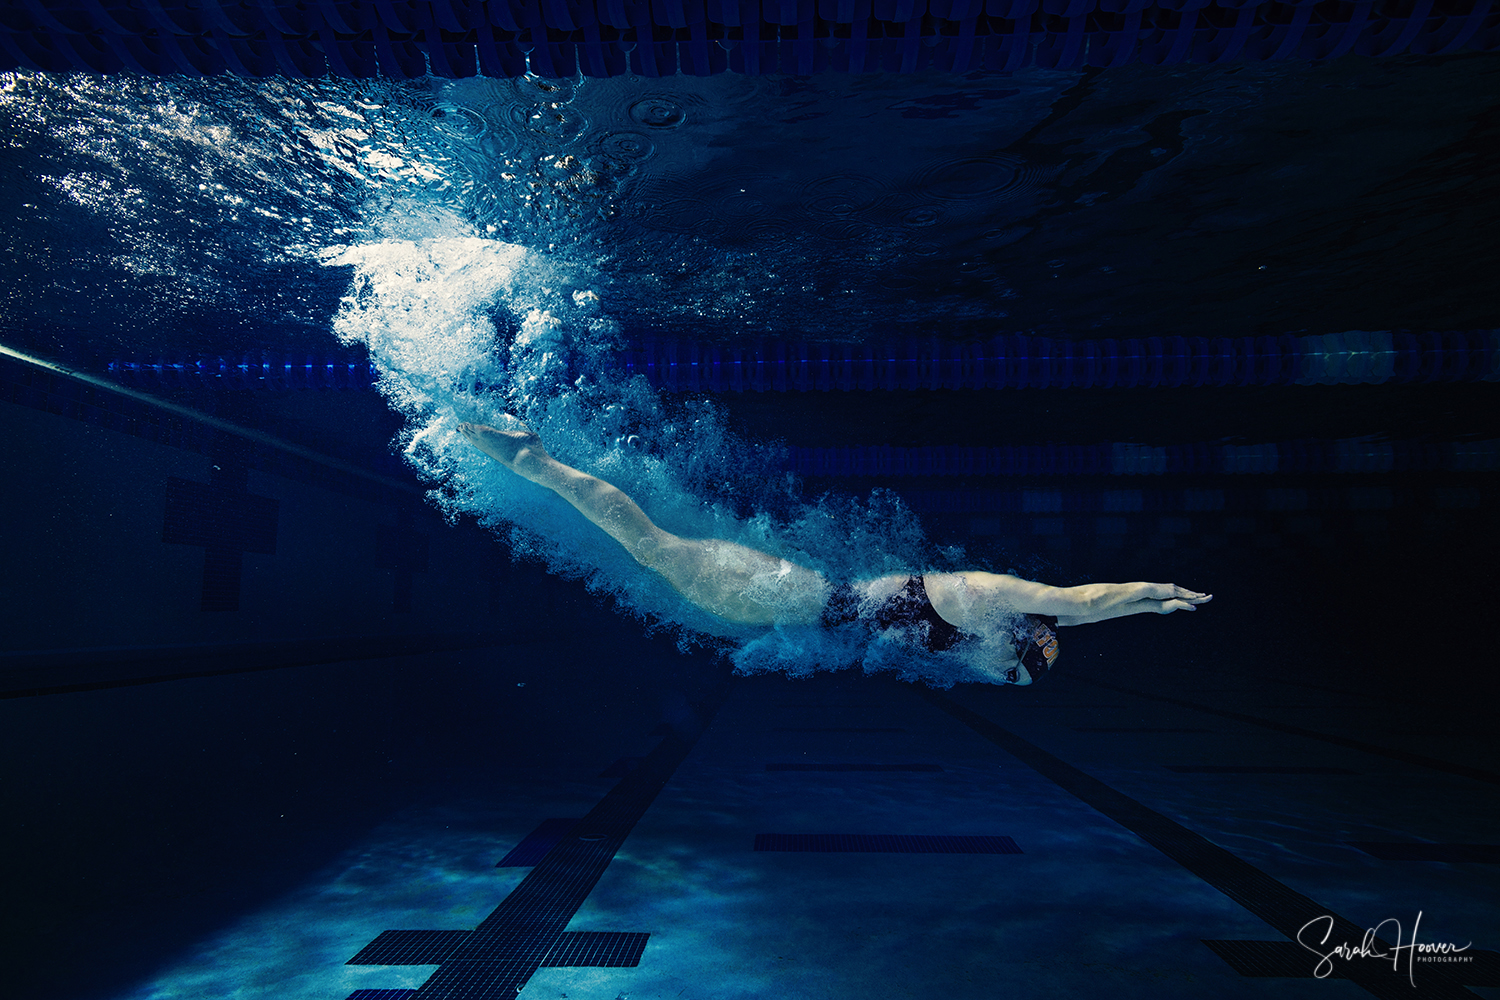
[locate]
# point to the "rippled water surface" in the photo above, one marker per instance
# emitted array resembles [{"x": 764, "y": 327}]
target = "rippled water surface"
[{"x": 1263, "y": 198}]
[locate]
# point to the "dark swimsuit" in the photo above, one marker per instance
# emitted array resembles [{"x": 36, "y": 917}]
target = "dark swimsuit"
[{"x": 910, "y": 611}]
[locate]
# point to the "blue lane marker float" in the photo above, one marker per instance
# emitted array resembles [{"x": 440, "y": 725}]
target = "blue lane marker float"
[
  {"x": 560, "y": 38},
  {"x": 1021, "y": 361},
  {"x": 1013, "y": 361}
]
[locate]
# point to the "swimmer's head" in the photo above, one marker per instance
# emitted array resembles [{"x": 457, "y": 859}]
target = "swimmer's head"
[{"x": 994, "y": 673}]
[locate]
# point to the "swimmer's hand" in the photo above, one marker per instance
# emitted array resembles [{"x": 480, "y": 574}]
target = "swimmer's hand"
[
  {"x": 509, "y": 448},
  {"x": 1175, "y": 598}
]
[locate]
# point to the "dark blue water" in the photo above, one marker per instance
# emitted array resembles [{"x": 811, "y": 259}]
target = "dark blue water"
[{"x": 225, "y": 777}]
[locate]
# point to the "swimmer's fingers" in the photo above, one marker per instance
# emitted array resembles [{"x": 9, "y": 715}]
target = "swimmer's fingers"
[
  {"x": 1192, "y": 596},
  {"x": 473, "y": 431},
  {"x": 1167, "y": 607},
  {"x": 469, "y": 428}
]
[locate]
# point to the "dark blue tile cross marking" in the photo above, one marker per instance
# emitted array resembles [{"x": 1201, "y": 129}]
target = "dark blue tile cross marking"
[
  {"x": 495, "y": 960},
  {"x": 597, "y": 949},
  {"x": 227, "y": 520},
  {"x": 1267, "y": 898},
  {"x": 883, "y": 843},
  {"x": 409, "y": 948}
]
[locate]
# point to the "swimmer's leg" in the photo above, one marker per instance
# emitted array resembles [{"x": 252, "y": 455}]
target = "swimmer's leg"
[
  {"x": 605, "y": 505},
  {"x": 728, "y": 579}
]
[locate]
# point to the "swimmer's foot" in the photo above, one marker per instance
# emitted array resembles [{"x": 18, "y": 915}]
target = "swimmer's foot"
[{"x": 510, "y": 448}]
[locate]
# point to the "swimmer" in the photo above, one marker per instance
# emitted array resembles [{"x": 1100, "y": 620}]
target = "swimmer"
[{"x": 1004, "y": 627}]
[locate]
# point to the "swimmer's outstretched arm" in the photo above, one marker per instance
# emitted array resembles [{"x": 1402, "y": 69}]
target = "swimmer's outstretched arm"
[
  {"x": 1117, "y": 602},
  {"x": 975, "y": 593}
]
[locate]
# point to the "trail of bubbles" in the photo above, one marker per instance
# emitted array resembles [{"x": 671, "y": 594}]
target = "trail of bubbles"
[{"x": 462, "y": 328}]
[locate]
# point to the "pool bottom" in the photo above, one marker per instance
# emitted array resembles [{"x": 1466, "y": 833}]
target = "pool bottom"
[{"x": 1087, "y": 906}]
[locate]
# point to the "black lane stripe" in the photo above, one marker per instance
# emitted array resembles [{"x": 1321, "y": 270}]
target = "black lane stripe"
[
  {"x": 1462, "y": 770},
  {"x": 1278, "y": 905},
  {"x": 925, "y": 768},
  {"x": 1253, "y": 769},
  {"x": 884, "y": 843},
  {"x": 537, "y": 843}
]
